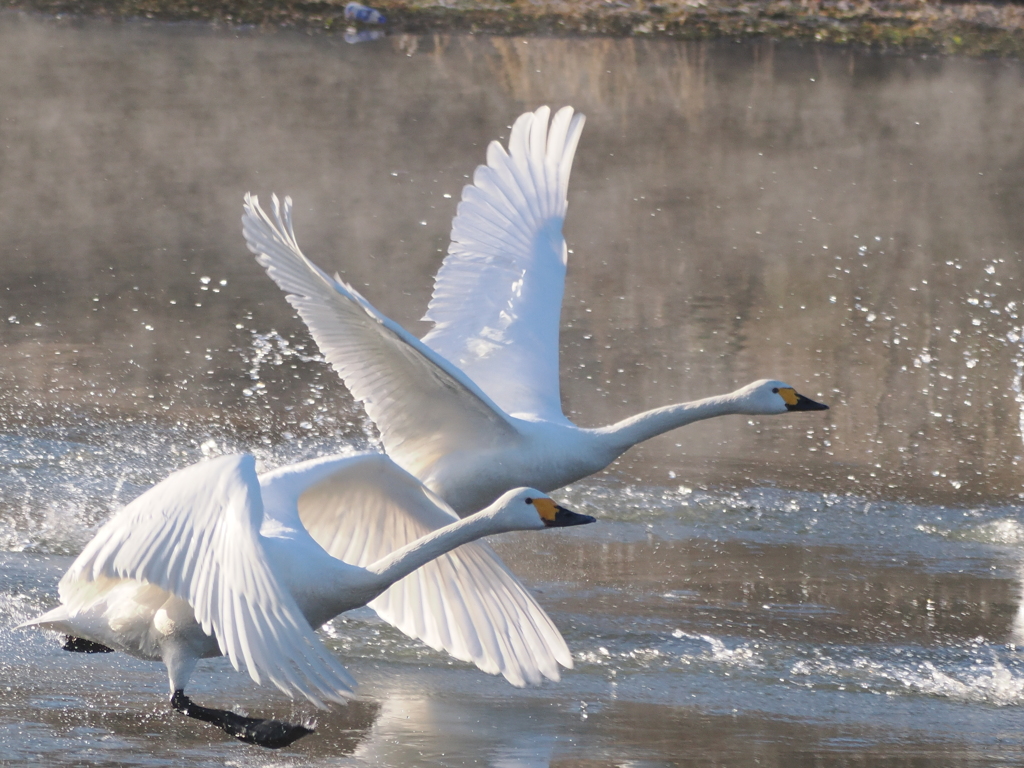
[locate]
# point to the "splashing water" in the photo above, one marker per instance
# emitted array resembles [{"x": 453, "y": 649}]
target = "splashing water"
[{"x": 272, "y": 349}]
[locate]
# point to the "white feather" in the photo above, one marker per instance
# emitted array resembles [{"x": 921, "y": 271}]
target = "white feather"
[
  {"x": 498, "y": 295},
  {"x": 196, "y": 536},
  {"x": 368, "y": 507},
  {"x": 424, "y": 407}
]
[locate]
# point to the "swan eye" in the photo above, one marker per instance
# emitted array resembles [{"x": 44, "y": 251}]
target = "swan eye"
[
  {"x": 775, "y": 390},
  {"x": 529, "y": 501}
]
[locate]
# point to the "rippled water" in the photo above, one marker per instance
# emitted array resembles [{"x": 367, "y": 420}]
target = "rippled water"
[{"x": 840, "y": 588}]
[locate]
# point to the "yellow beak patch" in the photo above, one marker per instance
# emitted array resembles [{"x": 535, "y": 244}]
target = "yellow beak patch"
[
  {"x": 547, "y": 508},
  {"x": 788, "y": 394}
]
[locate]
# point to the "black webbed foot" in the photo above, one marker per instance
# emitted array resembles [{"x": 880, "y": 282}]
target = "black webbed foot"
[
  {"x": 272, "y": 734},
  {"x": 81, "y": 645}
]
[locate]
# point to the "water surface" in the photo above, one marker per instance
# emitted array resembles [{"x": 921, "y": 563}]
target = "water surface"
[{"x": 837, "y": 588}]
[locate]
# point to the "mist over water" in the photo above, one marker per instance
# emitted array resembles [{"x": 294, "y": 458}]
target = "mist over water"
[{"x": 828, "y": 588}]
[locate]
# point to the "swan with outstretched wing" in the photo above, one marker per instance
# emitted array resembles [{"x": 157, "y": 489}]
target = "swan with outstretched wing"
[
  {"x": 215, "y": 561},
  {"x": 473, "y": 408}
]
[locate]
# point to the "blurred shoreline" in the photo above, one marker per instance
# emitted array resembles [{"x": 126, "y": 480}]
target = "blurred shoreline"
[{"x": 973, "y": 29}]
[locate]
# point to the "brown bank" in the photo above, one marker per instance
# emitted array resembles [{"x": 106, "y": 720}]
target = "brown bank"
[{"x": 982, "y": 29}]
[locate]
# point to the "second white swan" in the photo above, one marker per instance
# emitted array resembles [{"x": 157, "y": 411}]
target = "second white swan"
[
  {"x": 214, "y": 560},
  {"x": 474, "y": 408}
]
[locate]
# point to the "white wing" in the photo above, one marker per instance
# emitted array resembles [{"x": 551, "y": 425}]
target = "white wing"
[
  {"x": 425, "y": 408},
  {"x": 466, "y": 602},
  {"x": 196, "y": 535},
  {"x": 498, "y": 295}
]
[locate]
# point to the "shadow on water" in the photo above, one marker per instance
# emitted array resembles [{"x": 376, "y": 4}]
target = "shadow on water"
[
  {"x": 831, "y": 589},
  {"x": 127, "y": 729}
]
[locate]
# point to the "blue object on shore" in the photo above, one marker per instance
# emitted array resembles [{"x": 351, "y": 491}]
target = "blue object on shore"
[{"x": 363, "y": 13}]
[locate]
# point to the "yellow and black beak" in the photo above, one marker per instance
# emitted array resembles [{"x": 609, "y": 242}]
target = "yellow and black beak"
[
  {"x": 804, "y": 404},
  {"x": 556, "y": 516}
]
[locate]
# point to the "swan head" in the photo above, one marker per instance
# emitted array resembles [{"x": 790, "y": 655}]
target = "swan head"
[
  {"x": 527, "y": 509},
  {"x": 769, "y": 396}
]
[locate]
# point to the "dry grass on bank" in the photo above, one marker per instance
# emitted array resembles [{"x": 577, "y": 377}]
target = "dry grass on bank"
[{"x": 963, "y": 28}]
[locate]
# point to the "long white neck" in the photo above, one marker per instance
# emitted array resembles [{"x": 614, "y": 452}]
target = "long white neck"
[
  {"x": 644, "y": 426},
  {"x": 404, "y": 561}
]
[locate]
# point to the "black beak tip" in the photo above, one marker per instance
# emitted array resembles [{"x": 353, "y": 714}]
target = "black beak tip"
[
  {"x": 806, "y": 404},
  {"x": 566, "y": 517}
]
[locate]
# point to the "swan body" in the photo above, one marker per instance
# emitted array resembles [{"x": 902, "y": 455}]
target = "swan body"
[
  {"x": 217, "y": 561},
  {"x": 553, "y": 454},
  {"x": 474, "y": 408}
]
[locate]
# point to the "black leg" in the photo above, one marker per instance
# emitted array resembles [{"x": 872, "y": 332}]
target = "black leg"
[
  {"x": 272, "y": 734},
  {"x": 81, "y": 645}
]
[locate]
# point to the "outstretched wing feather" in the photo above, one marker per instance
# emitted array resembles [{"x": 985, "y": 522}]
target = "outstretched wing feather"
[
  {"x": 466, "y": 602},
  {"x": 497, "y": 297},
  {"x": 196, "y": 535},
  {"x": 423, "y": 406}
]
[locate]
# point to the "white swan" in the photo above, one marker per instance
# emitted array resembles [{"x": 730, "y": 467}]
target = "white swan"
[
  {"x": 474, "y": 408},
  {"x": 214, "y": 560}
]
